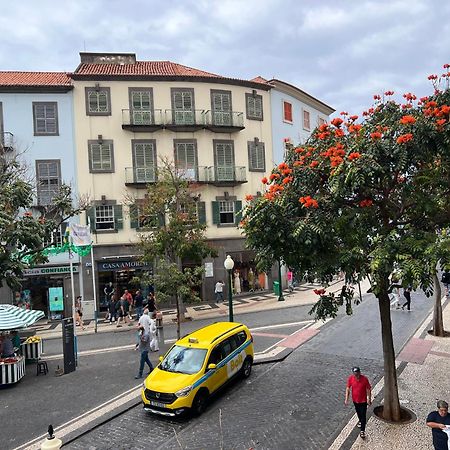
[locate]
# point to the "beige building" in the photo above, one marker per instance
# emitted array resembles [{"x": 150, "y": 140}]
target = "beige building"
[{"x": 130, "y": 114}]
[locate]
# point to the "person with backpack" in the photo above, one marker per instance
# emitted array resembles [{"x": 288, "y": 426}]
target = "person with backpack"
[{"x": 144, "y": 348}]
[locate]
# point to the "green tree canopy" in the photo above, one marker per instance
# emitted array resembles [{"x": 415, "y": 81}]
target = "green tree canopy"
[{"x": 366, "y": 198}]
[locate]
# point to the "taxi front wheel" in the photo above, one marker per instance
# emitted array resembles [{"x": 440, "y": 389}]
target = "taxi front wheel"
[
  {"x": 247, "y": 368},
  {"x": 199, "y": 403}
]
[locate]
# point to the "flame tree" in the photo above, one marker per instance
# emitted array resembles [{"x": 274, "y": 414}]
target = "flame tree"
[{"x": 367, "y": 198}]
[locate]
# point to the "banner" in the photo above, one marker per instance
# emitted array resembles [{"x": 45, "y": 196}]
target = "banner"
[{"x": 80, "y": 234}]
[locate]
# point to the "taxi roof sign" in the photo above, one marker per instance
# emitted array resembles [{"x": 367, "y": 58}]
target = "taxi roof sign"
[{"x": 193, "y": 340}]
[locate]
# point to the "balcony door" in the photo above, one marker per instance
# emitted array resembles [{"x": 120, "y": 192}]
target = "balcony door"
[
  {"x": 141, "y": 107},
  {"x": 144, "y": 162},
  {"x": 221, "y": 108},
  {"x": 224, "y": 160},
  {"x": 183, "y": 106},
  {"x": 186, "y": 159}
]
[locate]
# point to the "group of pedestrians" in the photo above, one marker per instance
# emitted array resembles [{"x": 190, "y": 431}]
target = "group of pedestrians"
[{"x": 122, "y": 310}]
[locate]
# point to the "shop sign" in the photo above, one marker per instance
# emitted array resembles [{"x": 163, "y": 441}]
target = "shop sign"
[
  {"x": 123, "y": 265},
  {"x": 49, "y": 270}
]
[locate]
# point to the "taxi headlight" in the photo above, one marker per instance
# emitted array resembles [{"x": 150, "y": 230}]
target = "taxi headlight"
[{"x": 184, "y": 392}]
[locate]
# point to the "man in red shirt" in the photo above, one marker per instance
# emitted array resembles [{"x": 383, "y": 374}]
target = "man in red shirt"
[{"x": 361, "y": 395}]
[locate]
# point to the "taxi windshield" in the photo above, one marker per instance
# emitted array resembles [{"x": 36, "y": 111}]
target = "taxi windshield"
[{"x": 183, "y": 360}]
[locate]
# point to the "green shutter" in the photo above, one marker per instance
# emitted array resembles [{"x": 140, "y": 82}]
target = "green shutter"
[
  {"x": 237, "y": 212},
  {"x": 201, "y": 212},
  {"x": 118, "y": 217},
  {"x": 215, "y": 212},
  {"x": 90, "y": 216},
  {"x": 134, "y": 219},
  {"x": 161, "y": 220}
]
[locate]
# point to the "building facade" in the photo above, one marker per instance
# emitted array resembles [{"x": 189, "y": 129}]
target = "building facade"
[
  {"x": 295, "y": 114},
  {"x": 36, "y": 123},
  {"x": 129, "y": 115}
]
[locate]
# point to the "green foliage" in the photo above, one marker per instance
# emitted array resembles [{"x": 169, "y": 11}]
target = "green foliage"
[
  {"x": 365, "y": 198},
  {"x": 179, "y": 237},
  {"x": 23, "y": 227}
]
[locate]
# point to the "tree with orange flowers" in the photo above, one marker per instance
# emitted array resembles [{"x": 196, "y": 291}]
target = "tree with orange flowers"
[{"x": 367, "y": 198}]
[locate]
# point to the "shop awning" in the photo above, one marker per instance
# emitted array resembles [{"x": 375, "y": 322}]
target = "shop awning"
[{"x": 13, "y": 317}]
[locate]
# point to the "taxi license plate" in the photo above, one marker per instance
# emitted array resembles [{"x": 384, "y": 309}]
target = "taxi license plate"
[{"x": 159, "y": 404}]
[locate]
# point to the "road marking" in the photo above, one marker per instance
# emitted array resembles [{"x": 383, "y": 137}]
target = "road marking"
[
  {"x": 270, "y": 335},
  {"x": 85, "y": 418},
  {"x": 282, "y": 325}
]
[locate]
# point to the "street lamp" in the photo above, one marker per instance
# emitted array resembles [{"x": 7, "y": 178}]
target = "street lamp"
[{"x": 229, "y": 264}]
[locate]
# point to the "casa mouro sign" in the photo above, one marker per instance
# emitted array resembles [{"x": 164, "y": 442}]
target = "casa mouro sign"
[
  {"x": 123, "y": 265},
  {"x": 49, "y": 270}
]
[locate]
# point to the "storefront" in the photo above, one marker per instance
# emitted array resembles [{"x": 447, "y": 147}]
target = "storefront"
[
  {"x": 48, "y": 289},
  {"x": 122, "y": 274}
]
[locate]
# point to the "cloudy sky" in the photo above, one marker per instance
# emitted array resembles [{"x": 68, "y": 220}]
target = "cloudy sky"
[{"x": 340, "y": 51}]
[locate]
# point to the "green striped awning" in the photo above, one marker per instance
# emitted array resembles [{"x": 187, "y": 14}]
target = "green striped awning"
[{"x": 13, "y": 317}]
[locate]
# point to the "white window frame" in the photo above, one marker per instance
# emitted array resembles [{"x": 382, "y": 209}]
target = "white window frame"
[
  {"x": 306, "y": 126},
  {"x": 106, "y": 216},
  {"x": 226, "y": 207},
  {"x": 292, "y": 111}
]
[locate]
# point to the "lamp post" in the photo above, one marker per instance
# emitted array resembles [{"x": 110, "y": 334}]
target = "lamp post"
[
  {"x": 229, "y": 264},
  {"x": 280, "y": 296}
]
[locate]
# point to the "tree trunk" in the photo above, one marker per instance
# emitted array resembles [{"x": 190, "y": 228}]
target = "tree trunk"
[
  {"x": 438, "y": 323},
  {"x": 391, "y": 409}
]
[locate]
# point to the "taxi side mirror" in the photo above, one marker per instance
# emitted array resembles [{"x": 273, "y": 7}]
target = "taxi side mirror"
[
  {"x": 211, "y": 366},
  {"x": 161, "y": 358}
]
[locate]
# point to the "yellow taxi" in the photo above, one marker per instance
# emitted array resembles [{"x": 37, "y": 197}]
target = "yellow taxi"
[{"x": 196, "y": 366}]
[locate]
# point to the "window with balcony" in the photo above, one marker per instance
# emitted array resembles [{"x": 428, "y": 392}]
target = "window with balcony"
[
  {"x": 256, "y": 156},
  {"x": 48, "y": 174},
  {"x": 287, "y": 112},
  {"x": 101, "y": 156},
  {"x": 254, "y": 106},
  {"x": 224, "y": 160},
  {"x": 306, "y": 120},
  {"x": 186, "y": 159},
  {"x": 45, "y": 118},
  {"x": 221, "y": 108},
  {"x": 183, "y": 109},
  {"x": 98, "y": 101},
  {"x": 144, "y": 161},
  {"x": 141, "y": 106}
]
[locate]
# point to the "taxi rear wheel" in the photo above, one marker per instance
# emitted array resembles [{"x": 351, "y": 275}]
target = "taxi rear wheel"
[
  {"x": 199, "y": 403},
  {"x": 247, "y": 368}
]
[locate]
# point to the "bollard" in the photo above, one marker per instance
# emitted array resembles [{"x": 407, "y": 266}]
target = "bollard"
[{"x": 51, "y": 443}]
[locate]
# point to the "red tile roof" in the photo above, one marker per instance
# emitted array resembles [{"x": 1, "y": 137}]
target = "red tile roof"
[
  {"x": 260, "y": 79},
  {"x": 34, "y": 79},
  {"x": 158, "y": 68}
]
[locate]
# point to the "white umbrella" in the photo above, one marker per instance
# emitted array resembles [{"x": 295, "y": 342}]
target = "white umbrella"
[{"x": 13, "y": 317}]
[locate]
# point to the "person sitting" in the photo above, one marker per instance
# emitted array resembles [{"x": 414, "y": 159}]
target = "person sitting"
[
  {"x": 15, "y": 339},
  {"x": 6, "y": 346}
]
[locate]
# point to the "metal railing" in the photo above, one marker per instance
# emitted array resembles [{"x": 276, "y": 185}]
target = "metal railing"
[
  {"x": 224, "y": 119},
  {"x": 139, "y": 117},
  {"x": 140, "y": 175},
  {"x": 228, "y": 174},
  {"x": 177, "y": 117}
]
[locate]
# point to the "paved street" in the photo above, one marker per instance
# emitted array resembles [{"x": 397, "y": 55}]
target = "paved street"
[{"x": 294, "y": 404}]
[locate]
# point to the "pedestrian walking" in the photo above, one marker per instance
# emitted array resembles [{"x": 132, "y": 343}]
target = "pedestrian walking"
[
  {"x": 138, "y": 304},
  {"x": 112, "y": 309},
  {"x": 395, "y": 291},
  {"x": 144, "y": 348},
  {"x": 439, "y": 421},
  {"x": 446, "y": 281},
  {"x": 407, "y": 295},
  {"x": 218, "y": 291},
  {"x": 123, "y": 311},
  {"x": 154, "y": 344},
  {"x": 361, "y": 395},
  {"x": 79, "y": 312},
  {"x": 151, "y": 302},
  {"x": 145, "y": 321},
  {"x": 290, "y": 280},
  {"x": 129, "y": 299}
]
